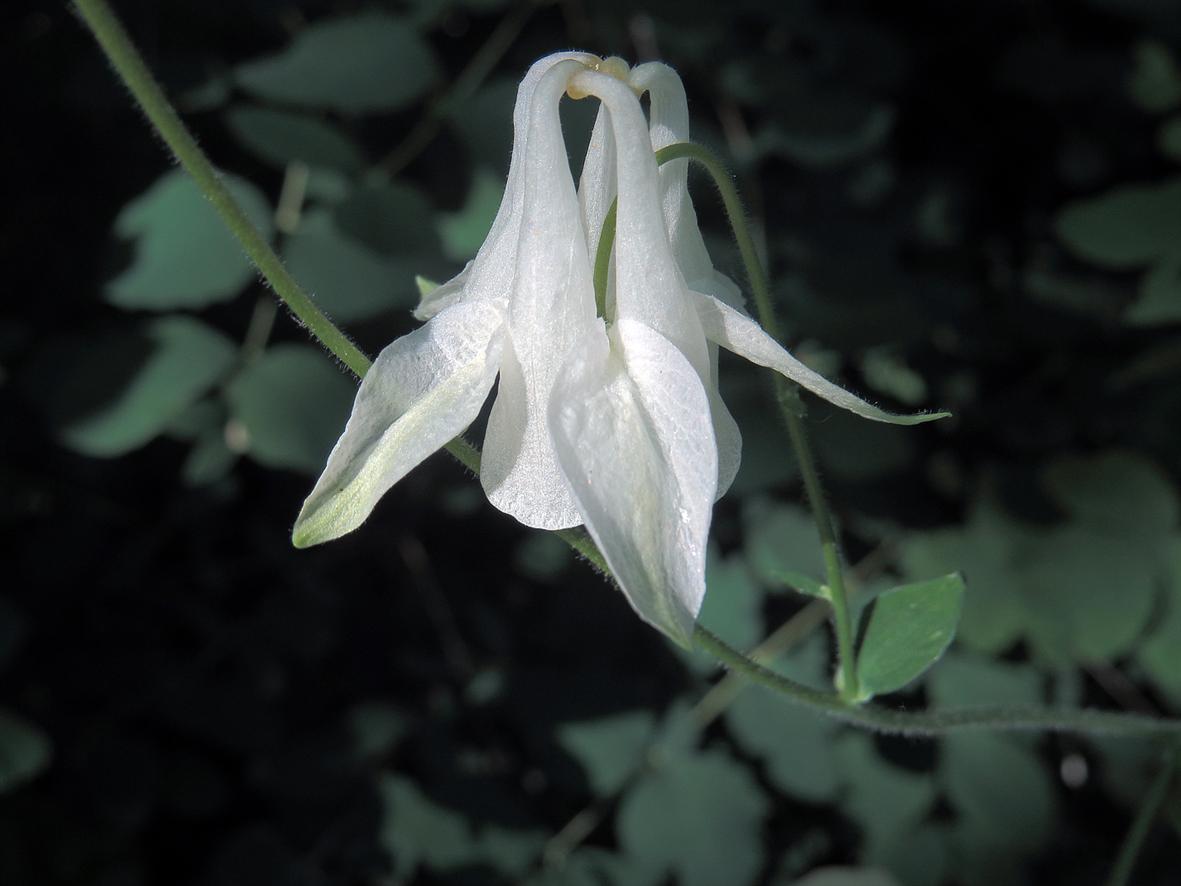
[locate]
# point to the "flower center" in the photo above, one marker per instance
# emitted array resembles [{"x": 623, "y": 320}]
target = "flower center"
[{"x": 612, "y": 66}]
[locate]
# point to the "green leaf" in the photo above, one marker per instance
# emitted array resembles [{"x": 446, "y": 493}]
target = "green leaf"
[
  {"x": 209, "y": 460},
  {"x": 184, "y": 255},
  {"x": 417, "y": 831},
  {"x": 919, "y": 856},
  {"x": 1088, "y": 596},
  {"x": 1155, "y": 84},
  {"x": 391, "y": 219},
  {"x": 860, "y": 451},
  {"x": 282, "y": 137},
  {"x": 887, "y": 372},
  {"x": 999, "y": 787},
  {"x": 781, "y": 538},
  {"x": 25, "y": 751},
  {"x": 292, "y": 403},
  {"x": 987, "y": 551},
  {"x": 909, "y": 628},
  {"x": 796, "y": 746},
  {"x": 356, "y": 65},
  {"x": 485, "y": 687},
  {"x": 885, "y": 800},
  {"x": 463, "y": 232},
  {"x": 1160, "y": 654},
  {"x": 592, "y": 866},
  {"x": 347, "y": 279},
  {"x": 1169, "y": 138},
  {"x": 483, "y": 120},
  {"x": 1118, "y": 492},
  {"x": 610, "y": 749},
  {"x": 113, "y": 393},
  {"x": 825, "y": 133},
  {"x": 803, "y": 584},
  {"x": 1159, "y": 300},
  {"x": 733, "y": 606},
  {"x": 835, "y": 876},
  {"x": 698, "y": 816},
  {"x": 375, "y": 729},
  {"x": 197, "y": 419},
  {"x": 1084, "y": 293},
  {"x": 964, "y": 679},
  {"x": 511, "y": 852},
  {"x": 542, "y": 556},
  {"x": 1125, "y": 228}
]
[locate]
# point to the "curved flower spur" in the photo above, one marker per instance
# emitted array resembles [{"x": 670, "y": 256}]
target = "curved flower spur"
[{"x": 613, "y": 421}]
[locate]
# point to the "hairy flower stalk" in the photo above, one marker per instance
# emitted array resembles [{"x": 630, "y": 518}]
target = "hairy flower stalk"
[{"x": 613, "y": 421}]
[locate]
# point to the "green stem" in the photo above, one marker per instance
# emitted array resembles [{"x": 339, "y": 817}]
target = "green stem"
[
  {"x": 835, "y": 579},
  {"x": 788, "y": 398},
  {"x": 603, "y": 259},
  {"x": 112, "y": 37},
  {"x": 899, "y": 722},
  {"x": 121, "y": 53},
  {"x": 939, "y": 722},
  {"x": 115, "y": 43},
  {"x": 737, "y": 218},
  {"x": 1125, "y": 862}
]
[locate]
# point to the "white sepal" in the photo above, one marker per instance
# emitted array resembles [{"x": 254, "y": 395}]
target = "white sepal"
[
  {"x": 423, "y": 390},
  {"x": 627, "y": 423}
]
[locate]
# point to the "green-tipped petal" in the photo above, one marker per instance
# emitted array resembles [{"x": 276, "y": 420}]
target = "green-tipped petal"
[
  {"x": 737, "y": 332},
  {"x": 423, "y": 390},
  {"x": 432, "y": 297}
]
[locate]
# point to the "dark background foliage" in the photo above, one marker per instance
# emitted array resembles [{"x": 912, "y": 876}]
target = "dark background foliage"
[{"x": 974, "y": 206}]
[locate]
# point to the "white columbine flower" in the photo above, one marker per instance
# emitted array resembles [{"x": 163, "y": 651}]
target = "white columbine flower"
[
  {"x": 514, "y": 311},
  {"x": 642, "y": 412},
  {"x": 612, "y": 422}
]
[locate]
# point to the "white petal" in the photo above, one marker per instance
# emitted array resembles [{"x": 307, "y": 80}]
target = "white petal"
[
  {"x": 739, "y": 333},
  {"x": 649, "y": 286},
  {"x": 422, "y": 391},
  {"x": 669, "y": 124},
  {"x": 648, "y": 283},
  {"x": 725, "y": 428},
  {"x": 443, "y": 296},
  {"x": 724, "y": 289},
  {"x": 494, "y": 266},
  {"x": 552, "y": 306},
  {"x": 518, "y": 469},
  {"x": 641, "y": 463}
]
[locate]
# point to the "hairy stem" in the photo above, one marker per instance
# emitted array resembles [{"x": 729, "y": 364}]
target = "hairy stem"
[
  {"x": 939, "y": 722},
  {"x": 117, "y": 46},
  {"x": 788, "y": 405},
  {"x": 128, "y": 64},
  {"x": 115, "y": 43}
]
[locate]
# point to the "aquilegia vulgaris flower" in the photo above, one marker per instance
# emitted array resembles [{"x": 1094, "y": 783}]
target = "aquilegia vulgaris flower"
[{"x": 611, "y": 421}]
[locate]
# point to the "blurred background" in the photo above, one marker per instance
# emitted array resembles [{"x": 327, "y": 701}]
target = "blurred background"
[{"x": 967, "y": 206}]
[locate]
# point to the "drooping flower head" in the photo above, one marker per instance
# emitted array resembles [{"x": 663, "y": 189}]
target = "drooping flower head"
[
  {"x": 512, "y": 312},
  {"x": 614, "y": 422}
]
